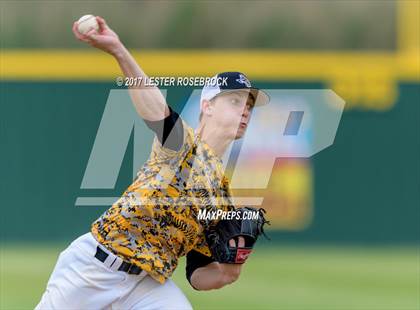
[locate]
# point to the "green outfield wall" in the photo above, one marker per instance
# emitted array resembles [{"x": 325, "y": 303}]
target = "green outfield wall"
[{"x": 366, "y": 185}]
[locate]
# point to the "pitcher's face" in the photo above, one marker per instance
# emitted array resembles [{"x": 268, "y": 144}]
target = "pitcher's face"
[{"x": 232, "y": 111}]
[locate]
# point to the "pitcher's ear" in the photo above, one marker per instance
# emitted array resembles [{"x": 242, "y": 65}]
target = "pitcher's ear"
[{"x": 206, "y": 107}]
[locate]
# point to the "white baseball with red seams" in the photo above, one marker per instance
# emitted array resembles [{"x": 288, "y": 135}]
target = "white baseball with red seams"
[{"x": 86, "y": 23}]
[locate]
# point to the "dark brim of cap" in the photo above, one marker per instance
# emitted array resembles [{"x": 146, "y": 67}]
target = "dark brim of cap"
[{"x": 261, "y": 97}]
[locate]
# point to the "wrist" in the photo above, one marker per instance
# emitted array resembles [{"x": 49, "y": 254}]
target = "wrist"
[{"x": 119, "y": 52}]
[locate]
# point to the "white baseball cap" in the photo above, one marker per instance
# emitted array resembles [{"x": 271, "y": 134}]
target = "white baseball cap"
[{"x": 232, "y": 82}]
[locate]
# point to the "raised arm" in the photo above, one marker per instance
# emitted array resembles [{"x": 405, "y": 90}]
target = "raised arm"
[{"x": 148, "y": 100}]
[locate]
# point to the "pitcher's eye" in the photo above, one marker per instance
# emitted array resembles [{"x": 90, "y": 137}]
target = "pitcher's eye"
[{"x": 235, "y": 101}]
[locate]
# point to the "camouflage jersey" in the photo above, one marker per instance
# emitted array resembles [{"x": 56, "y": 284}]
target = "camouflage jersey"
[{"x": 155, "y": 221}]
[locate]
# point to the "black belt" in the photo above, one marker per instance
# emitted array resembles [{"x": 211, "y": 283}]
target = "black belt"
[{"x": 101, "y": 255}]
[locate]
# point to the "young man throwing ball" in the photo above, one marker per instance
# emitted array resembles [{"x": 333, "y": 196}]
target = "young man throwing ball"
[{"x": 127, "y": 258}]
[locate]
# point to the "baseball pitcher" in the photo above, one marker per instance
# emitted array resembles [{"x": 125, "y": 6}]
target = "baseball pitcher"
[{"x": 131, "y": 251}]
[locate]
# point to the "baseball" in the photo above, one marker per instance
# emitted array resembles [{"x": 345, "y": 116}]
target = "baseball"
[{"x": 86, "y": 23}]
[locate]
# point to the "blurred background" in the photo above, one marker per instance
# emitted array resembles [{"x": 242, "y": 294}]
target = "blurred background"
[{"x": 346, "y": 222}]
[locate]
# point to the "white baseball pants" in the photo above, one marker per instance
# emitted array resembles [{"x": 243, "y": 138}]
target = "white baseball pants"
[{"x": 80, "y": 281}]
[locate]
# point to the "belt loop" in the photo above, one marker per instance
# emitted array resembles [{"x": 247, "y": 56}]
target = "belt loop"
[
  {"x": 114, "y": 262},
  {"x": 109, "y": 260}
]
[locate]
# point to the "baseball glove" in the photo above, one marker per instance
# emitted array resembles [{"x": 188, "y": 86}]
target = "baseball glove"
[{"x": 218, "y": 236}]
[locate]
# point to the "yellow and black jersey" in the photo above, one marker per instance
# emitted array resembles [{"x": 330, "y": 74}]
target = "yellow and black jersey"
[{"x": 155, "y": 221}]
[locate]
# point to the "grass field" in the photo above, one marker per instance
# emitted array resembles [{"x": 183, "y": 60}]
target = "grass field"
[{"x": 277, "y": 278}]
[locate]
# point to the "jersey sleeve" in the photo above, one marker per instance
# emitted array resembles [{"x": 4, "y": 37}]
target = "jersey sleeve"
[
  {"x": 195, "y": 260},
  {"x": 169, "y": 131}
]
